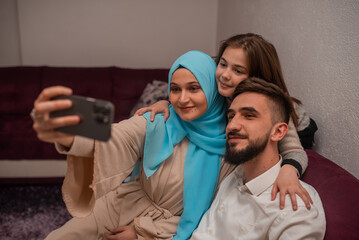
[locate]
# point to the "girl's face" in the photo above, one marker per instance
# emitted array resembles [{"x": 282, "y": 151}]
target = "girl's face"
[
  {"x": 186, "y": 95},
  {"x": 231, "y": 70}
]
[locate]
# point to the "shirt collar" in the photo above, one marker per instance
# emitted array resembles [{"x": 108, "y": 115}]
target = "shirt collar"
[{"x": 259, "y": 184}]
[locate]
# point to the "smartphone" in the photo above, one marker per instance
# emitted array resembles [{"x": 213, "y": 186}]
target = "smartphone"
[{"x": 96, "y": 117}]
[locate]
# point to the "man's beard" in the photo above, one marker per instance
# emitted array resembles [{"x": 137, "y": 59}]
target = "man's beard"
[{"x": 254, "y": 148}]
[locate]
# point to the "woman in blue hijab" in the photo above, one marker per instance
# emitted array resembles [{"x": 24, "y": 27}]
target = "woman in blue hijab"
[
  {"x": 175, "y": 166},
  {"x": 206, "y": 135}
]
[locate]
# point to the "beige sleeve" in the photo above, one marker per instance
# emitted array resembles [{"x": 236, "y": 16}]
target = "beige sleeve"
[
  {"x": 81, "y": 147},
  {"x": 115, "y": 160},
  {"x": 291, "y": 148},
  {"x": 89, "y": 178}
]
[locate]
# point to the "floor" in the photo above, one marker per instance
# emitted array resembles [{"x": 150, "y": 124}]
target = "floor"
[{"x": 31, "y": 212}]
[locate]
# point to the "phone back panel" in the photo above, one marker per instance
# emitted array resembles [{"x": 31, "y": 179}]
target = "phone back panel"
[{"x": 96, "y": 117}]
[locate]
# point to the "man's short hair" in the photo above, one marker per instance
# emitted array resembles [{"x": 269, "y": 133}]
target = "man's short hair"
[{"x": 280, "y": 103}]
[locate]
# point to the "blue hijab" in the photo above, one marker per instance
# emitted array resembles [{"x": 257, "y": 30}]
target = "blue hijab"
[{"x": 206, "y": 136}]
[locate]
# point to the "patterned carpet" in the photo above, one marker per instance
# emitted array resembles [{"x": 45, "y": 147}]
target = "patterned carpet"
[{"x": 30, "y": 212}]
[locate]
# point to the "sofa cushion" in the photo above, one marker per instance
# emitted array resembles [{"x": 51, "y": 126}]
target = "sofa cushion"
[
  {"x": 128, "y": 86},
  {"x": 153, "y": 92},
  {"x": 19, "y": 88},
  {"x": 18, "y": 140},
  {"x": 93, "y": 82},
  {"x": 339, "y": 192}
]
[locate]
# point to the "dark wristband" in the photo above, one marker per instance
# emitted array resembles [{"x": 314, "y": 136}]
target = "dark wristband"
[{"x": 294, "y": 163}]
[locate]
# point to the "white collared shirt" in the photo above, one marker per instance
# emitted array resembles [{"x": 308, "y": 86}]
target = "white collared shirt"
[{"x": 245, "y": 211}]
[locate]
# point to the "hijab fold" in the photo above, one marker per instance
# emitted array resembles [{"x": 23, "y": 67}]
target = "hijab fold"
[{"x": 206, "y": 136}]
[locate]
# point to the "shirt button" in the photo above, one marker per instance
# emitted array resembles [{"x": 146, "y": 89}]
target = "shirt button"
[
  {"x": 221, "y": 208},
  {"x": 209, "y": 231}
]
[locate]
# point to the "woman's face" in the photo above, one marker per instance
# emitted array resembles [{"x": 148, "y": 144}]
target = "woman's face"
[
  {"x": 186, "y": 95},
  {"x": 231, "y": 70}
]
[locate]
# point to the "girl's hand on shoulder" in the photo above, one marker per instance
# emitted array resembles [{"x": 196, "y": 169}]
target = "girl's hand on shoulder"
[
  {"x": 123, "y": 233},
  {"x": 287, "y": 182},
  {"x": 158, "y": 107}
]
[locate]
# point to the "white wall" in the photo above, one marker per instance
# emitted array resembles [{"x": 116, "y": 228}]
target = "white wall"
[
  {"x": 9, "y": 34},
  {"x": 126, "y": 33},
  {"x": 318, "y": 45}
]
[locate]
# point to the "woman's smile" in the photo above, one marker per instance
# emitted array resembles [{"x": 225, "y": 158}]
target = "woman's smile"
[
  {"x": 187, "y": 109},
  {"x": 186, "y": 95}
]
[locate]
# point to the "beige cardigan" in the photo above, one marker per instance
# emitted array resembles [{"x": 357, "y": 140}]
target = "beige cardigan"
[{"x": 96, "y": 169}]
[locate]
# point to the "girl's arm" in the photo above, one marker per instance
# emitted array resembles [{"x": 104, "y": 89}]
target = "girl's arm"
[
  {"x": 295, "y": 161},
  {"x": 292, "y": 151},
  {"x": 158, "y": 107}
]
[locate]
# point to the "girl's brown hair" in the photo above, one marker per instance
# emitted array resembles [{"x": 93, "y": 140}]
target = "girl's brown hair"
[{"x": 263, "y": 61}]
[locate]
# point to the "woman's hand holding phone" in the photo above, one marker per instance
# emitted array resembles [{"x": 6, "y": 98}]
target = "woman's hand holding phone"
[
  {"x": 44, "y": 125},
  {"x": 96, "y": 117}
]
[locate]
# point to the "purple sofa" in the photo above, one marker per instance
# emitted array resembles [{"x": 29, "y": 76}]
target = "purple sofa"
[
  {"x": 339, "y": 190},
  {"x": 21, "y": 85}
]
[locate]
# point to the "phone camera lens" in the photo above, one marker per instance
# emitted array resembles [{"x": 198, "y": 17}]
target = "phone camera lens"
[
  {"x": 102, "y": 113},
  {"x": 101, "y": 118}
]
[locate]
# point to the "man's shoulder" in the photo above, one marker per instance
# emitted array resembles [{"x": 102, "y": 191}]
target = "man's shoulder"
[
  {"x": 273, "y": 206},
  {"x": 313, "y": 194},
  {"x": 287, "y": 222}
]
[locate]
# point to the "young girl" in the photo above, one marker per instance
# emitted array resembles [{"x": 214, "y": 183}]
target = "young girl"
[
  {"x": 180, "y": 162},
  {"x": 249, "y": 55}
]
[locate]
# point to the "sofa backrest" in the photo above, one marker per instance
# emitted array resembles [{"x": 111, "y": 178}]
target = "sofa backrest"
[{"x": 20, "y": 87}]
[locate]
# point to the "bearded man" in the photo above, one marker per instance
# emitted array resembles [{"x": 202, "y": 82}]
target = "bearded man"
[{"x": 243, "y": 208}]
